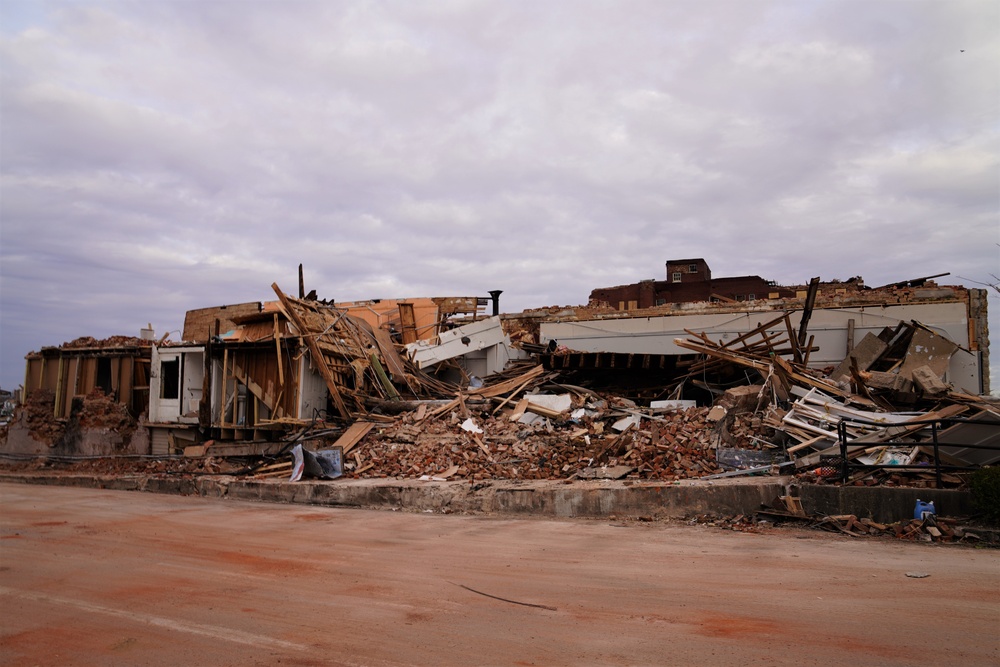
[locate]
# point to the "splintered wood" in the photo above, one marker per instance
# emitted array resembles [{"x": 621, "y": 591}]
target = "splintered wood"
[{"x": 679, "y": 445}]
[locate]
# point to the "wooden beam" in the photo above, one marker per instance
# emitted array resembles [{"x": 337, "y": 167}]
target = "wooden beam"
[
  {"x": 353, "y": 435},
  {"x": 760, "y": 365},
  {"x": 393, "y": 362},
  {"x": 808, "y": 310},
  {"x": 317, "y": 354},
  {"x": 407, "y": 322},
  {"x": 252, "y": 387},
  {"x": 796, "y": 353},
  {"x": 277, "y": 347}
]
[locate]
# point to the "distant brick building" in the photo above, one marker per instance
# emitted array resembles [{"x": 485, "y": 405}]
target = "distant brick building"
[{"x": 688, "y": 281}]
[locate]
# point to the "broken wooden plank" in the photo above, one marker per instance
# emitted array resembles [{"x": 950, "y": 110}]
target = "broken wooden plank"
[
  {"x": 519, "y": 410},
  {"x": 393, "y": 362},
  {"x": 407, "y": 322},
  {"x": 742, "y": 360},
  {"x": 252, "y": 387},
  {"x": 857, "y": 446},
  {"x": 513, "y": 384},
  {"x": 807, "y": 310},
  {"x": 289, "y": 310},
  {"x": 353, "y": 435},
  {"x": 812, "y": 442}
]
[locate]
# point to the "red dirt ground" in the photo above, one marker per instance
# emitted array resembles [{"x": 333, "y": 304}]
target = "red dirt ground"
[{"x": 91, "y": 577}]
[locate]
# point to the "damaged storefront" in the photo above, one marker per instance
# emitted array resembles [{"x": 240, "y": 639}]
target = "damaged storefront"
[{"x": 830, "y": 382}]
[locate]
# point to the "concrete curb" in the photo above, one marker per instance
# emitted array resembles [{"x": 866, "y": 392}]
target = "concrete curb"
[{"x": 541, "y": 498}]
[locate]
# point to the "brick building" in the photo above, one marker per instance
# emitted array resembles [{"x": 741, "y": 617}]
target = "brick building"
[{"x": 688, "y": 281}]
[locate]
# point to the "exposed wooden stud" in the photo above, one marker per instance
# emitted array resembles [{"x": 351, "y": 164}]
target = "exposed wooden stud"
[{"x": 317, "y": 354}]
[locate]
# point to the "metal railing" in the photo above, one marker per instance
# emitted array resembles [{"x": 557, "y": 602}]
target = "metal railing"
[{"x": 849, "y": 445}]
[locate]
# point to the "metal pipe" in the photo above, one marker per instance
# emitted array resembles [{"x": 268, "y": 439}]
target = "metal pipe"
[{"x": 495, "y": 295}]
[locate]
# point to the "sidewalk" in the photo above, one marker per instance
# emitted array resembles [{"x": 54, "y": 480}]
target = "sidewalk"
[{"x": 542, "y": 498}]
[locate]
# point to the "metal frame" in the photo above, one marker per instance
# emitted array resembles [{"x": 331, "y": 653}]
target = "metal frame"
[{"x": 936, "y": 425}]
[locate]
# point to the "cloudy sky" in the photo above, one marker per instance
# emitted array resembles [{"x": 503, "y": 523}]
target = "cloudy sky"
[{"x": 159, "y": 156}]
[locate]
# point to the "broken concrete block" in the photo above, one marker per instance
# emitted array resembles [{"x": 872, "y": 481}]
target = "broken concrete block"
[
  {"x": 928, "y": 381},
  {"x": 741, "y": 399},
  {"x": 865, "y": 353},
  {"x": 717, "y": 413},
  {"x": 928, "y": 349}
]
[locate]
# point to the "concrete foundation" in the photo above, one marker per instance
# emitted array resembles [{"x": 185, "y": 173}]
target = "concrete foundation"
[{"x": 546, "y": 498}]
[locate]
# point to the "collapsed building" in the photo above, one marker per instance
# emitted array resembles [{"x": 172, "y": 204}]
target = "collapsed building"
[
  {"x": 828, "y": 322},
  {"x": 727, "y": 375}
]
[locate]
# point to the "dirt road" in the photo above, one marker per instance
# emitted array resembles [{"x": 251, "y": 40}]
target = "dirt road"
[{"x": 116, "y": 578}]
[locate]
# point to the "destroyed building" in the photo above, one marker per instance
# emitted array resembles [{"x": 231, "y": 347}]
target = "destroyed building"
[
  {"x": 724, "y": 378},
  {"x": 687, "y": 281},
  {"x": 247, "y": 371},
  {"x": 841, "y": 319},
  {"x": 118, "y": 366}
]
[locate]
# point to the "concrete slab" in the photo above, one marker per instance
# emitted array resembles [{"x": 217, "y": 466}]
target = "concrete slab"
[{"x": 599, "y": 498}]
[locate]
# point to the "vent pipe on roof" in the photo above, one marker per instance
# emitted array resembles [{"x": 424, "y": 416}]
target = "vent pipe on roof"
[{"x": 495, "y": 295}]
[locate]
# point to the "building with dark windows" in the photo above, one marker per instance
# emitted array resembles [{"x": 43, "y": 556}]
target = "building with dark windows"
[{"x": 688, "y": 281}]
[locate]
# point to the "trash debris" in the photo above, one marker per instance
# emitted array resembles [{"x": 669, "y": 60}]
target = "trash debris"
[
  {"x": 322, "y": 464},
  {"x": 923, "y": 510},
  {"x": 471, "y": 426},
  {"x": 432, "y": 389}
]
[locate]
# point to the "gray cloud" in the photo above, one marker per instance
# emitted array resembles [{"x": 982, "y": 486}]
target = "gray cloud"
[{"x": 157, "y": 157}]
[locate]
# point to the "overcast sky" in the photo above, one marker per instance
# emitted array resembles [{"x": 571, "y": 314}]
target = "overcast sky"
[{"x": 161, "y": 156}]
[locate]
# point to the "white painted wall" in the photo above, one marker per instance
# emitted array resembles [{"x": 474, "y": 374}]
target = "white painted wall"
[
  {"x": 654, "y": 335},
  {"x": 192, "y": 374},
  {"x": 312, "y": 390}
]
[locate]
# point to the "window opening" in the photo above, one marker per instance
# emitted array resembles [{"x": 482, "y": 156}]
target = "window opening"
[
  {"x": 103, "y": 380},
  {"x": 170, "y": 378}
]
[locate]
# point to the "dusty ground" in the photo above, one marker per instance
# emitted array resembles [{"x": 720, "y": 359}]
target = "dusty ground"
[{"x": 115, "y": 578}]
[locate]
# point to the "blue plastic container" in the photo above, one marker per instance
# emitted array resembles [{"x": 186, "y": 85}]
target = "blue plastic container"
[{"x": 923, "y": 510}]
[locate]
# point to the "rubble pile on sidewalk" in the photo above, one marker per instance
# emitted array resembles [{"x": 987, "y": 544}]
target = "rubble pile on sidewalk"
[
  {"x": 883, "y": 396},
  {"x": 128, "y": 466},
  {"x": 940, "y": 529},
  {"x": 677, "y": 445},
  {"x": 456, "y": 395},
  {"x": 524, "y": 424},
  {"x": 928, "y": 528}
]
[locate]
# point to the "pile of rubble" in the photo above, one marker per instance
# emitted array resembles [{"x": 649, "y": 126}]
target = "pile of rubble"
[
  {"x": 89, "y": 342},
  {"x": 132, "y": 465},
  {"x": 35, "y": 414},
  {"x": 676, "y": 445},
  {"x": 525, "y": 423},
  {"x": 405, "y": 408},
  {"x": 886, "y": 406},
  {"x": 98, "y": 410}
]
